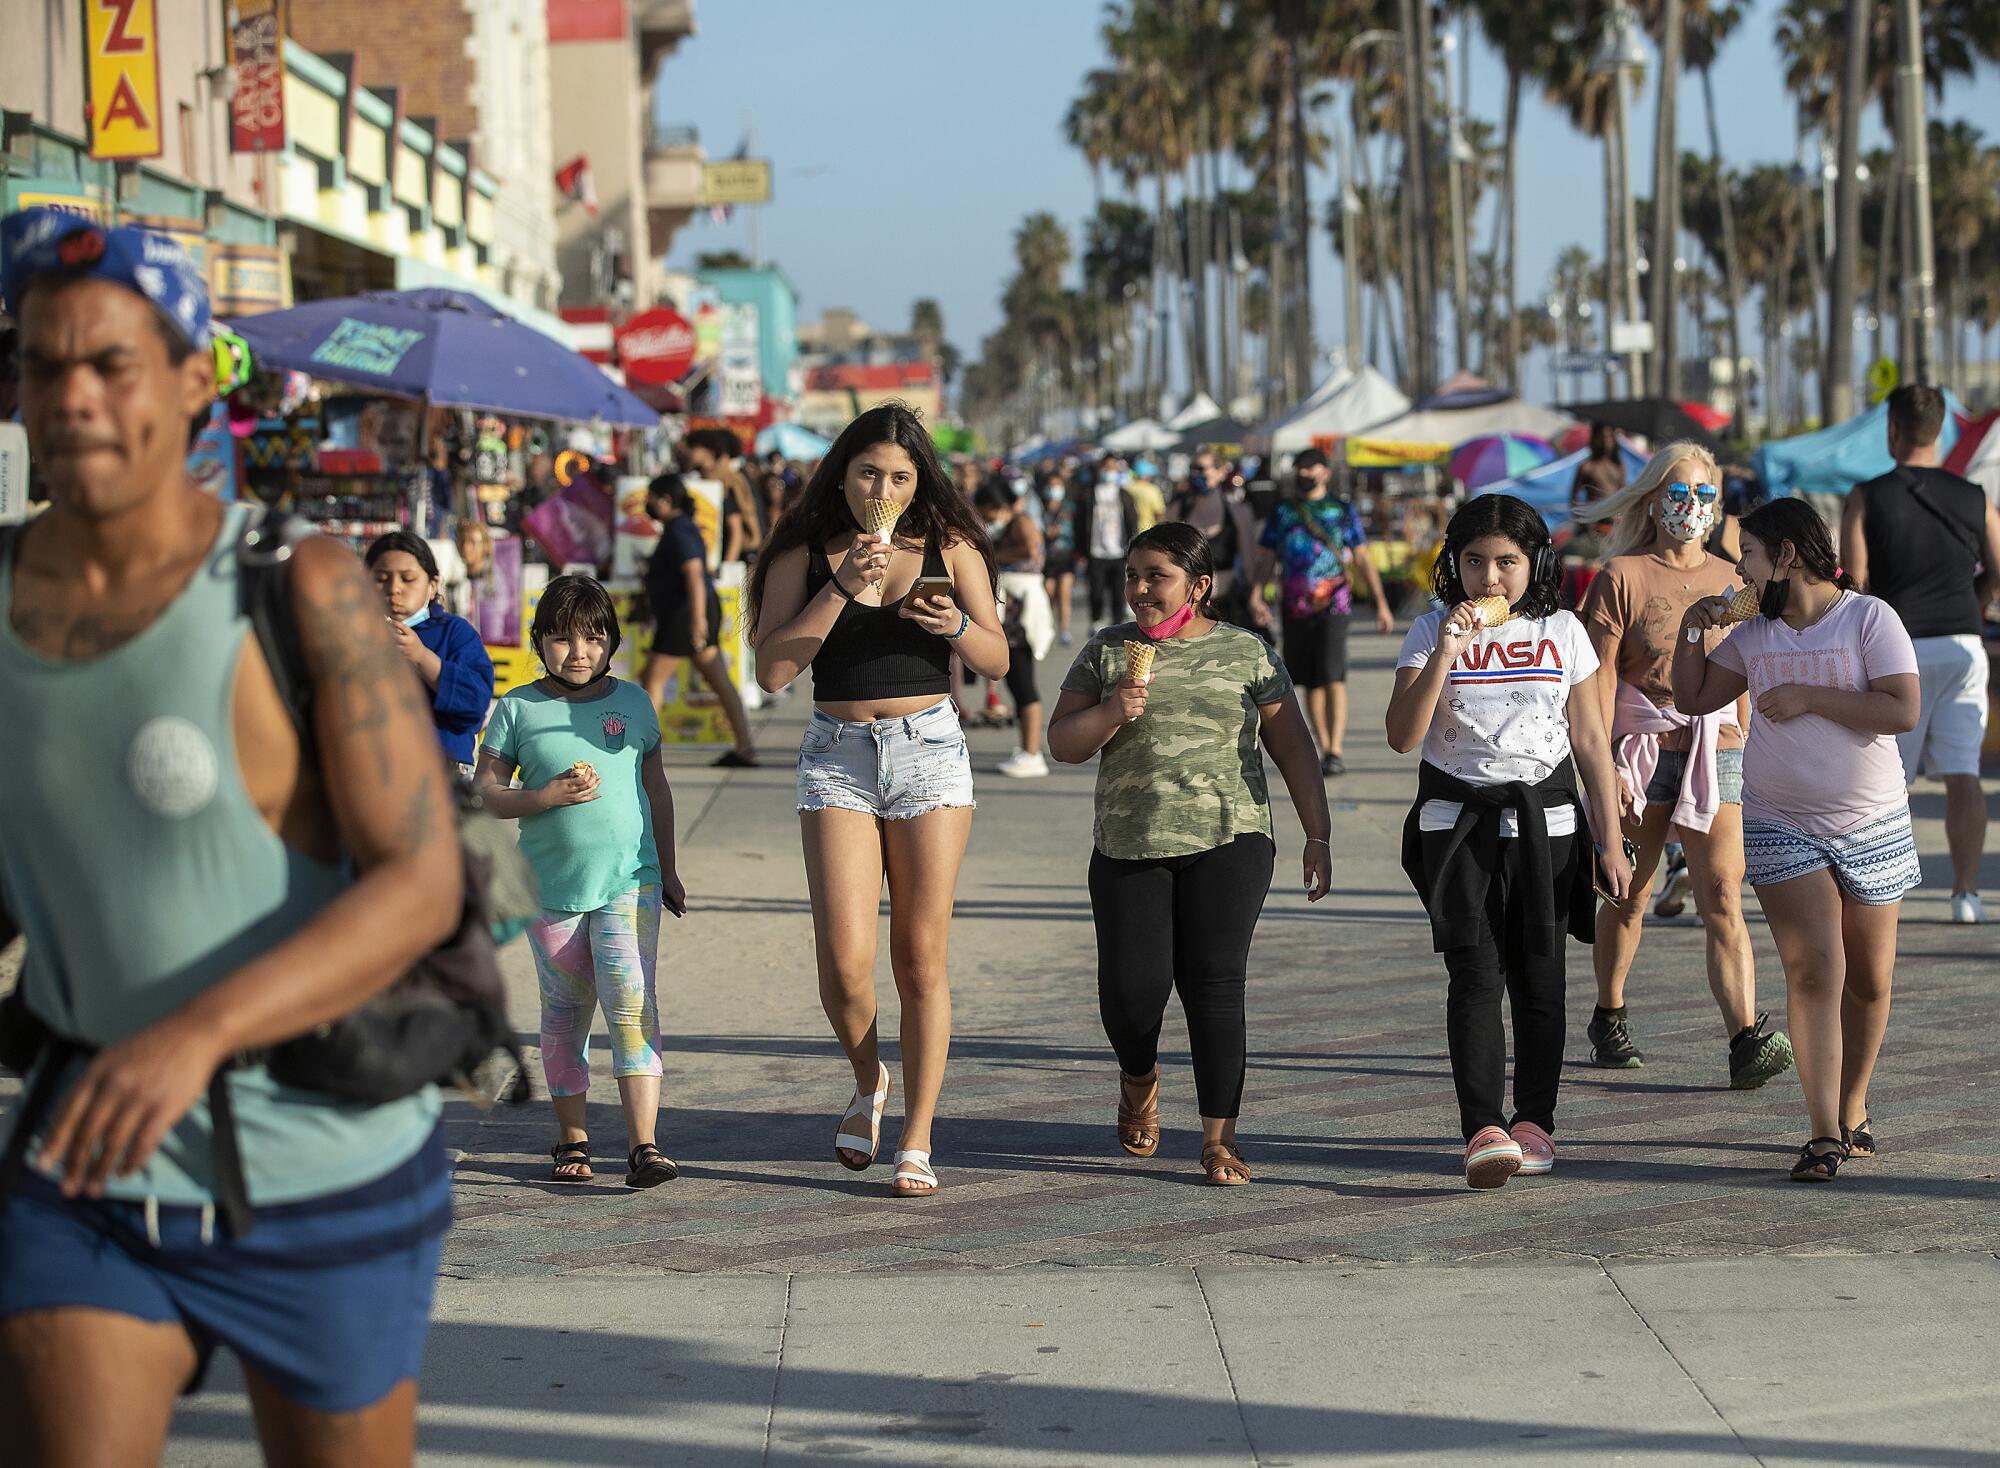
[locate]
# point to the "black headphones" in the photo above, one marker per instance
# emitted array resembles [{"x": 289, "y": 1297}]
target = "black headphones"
[{"x": 1545, "y": 568}]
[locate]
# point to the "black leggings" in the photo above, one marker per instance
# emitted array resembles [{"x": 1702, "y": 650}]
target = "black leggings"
[
  {"x": 1180, "y": 922},
  {"x": 1498, "y": 961},
  {"x": 1104, "y": 583}
]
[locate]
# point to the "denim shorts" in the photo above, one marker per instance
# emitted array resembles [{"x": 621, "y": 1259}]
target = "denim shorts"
[
  {"x": 328, "y": 1299},
  {"x": 1665, "y": 786},
  {"x": 1875, "y": 863},
  {"x": 892, "y": 769}
]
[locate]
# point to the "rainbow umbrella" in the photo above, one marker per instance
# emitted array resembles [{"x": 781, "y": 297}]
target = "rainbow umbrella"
[{"x": 1482, "y": 461}]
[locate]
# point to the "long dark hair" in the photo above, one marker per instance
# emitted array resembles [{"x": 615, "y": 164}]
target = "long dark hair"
[
  {"x": 937, "y": 513},
  {"x": 1187, "y": 548},
  {"x": 1776, "y": 521},
  {"x": 1512, "y": 519}
]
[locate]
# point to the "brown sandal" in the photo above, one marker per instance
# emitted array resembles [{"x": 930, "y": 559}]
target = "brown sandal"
[
  {"x": 1139, "y": 1119},
  {"x": 1219, "y": 1160}
]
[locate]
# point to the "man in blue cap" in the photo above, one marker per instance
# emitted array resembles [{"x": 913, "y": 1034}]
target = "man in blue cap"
[{"x": 193, "y": 885}]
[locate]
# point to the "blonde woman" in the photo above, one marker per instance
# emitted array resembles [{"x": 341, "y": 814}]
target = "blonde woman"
[{"x": 1679, "y": 777}]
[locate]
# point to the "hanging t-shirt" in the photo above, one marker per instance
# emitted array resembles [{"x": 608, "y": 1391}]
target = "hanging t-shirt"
[
  {"x": 1187, "y": 775},
  {"x": 583, "y": 855},
  {"x": 1314, "y": 568},
  {"x": 1504, "y": 712},
  {"x": 1821, "y": 777}
]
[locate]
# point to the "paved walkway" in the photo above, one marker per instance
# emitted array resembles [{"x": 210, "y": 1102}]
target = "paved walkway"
[{"x": 1665, "y": 1297}]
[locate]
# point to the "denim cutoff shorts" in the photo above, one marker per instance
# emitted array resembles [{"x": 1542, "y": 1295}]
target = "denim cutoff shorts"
[
  {"x": 892, "y": 769},
  {"x": 1665, "y": 786}
]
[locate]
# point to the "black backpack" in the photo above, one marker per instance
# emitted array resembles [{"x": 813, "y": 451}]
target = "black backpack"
[{"x": 438, "y": 1024}]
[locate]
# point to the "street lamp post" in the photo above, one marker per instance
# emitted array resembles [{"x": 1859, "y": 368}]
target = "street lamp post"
[{"x": 1621, "y": 57}]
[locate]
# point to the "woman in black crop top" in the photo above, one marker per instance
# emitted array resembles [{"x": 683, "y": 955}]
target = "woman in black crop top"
[{"x": 884, "y": 784}]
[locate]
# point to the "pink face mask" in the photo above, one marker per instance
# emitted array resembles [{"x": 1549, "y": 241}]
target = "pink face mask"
[{"x": 1171, "y": 625}]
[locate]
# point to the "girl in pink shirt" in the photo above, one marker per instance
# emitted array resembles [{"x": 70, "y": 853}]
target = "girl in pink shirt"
[{"x": 1826, "y": 823}]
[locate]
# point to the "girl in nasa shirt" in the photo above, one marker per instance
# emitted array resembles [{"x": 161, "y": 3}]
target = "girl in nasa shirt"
[{"x": 1497, "y": 690}]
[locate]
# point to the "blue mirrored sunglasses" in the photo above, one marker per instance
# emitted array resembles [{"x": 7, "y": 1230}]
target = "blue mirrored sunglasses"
[{"x": 1706, "y": 493}]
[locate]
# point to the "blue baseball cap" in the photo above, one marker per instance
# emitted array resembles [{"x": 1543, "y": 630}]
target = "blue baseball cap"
[{"x": 38, "y": 242}]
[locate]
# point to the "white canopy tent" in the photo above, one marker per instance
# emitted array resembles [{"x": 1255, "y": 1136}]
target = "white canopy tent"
[
  {"x": 1200, "y": 408},
  {"x": 1456, "y": 425},
  {"x": 1345, "y": 403},
  {"x": 1141, "y": 435}
]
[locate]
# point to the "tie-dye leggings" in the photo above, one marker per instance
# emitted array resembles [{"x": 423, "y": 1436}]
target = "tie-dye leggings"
[{"x": 606, "y": 957}]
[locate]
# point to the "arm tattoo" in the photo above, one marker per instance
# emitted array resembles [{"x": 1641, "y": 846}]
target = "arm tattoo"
[{"x": 357, "y": 678}]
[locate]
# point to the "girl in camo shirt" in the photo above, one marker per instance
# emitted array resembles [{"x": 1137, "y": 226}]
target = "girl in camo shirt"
[{"x": 1183, "y": 843}]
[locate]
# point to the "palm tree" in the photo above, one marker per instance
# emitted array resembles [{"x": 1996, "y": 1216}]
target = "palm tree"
[
  {"x": 1670, "y": 28},
  {"x": 1520, "y": 31},
  {"x": 1709, "y": 24},
  {"x": 1965, "y": 203},
  {"x": 1767, "y": 206},
  {"x": 1837, "y": 383},
  {"x": 1569, "y": 81}
]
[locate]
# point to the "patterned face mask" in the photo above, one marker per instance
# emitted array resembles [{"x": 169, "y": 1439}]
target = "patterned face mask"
[{"x": 1689, "y": 512}]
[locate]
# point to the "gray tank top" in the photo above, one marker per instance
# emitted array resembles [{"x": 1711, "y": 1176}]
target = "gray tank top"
[{"x": 140, "y": 873}]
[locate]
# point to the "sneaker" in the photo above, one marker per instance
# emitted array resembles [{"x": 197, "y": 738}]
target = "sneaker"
[
  {"x": 1967, "y": 909},
  {"x": 1491, "y": 1157},
  {"x": 1065, "y": 639},
  {"x": 1332, "y": 764},
  {"x": 1538, "y": 1148},
  {"x": 1610, "y": 1036},
  {"x": 1754, "y": 1057},
  {"x": 1020, "y": 765},
  {"x": 1674, "y": 896}
]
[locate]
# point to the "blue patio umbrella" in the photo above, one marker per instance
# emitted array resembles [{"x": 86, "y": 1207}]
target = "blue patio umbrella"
[{"x": 446, "y": 346}]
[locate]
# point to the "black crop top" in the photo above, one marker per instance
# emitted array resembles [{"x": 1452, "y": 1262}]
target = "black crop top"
[{"x": 876, "y": 652}]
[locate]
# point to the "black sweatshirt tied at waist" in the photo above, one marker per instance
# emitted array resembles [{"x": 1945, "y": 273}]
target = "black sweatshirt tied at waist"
[{"x": 1454, "y": 891}]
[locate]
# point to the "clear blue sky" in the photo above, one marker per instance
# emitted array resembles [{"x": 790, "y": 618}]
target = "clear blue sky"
[{"x": 909, "y": 137}]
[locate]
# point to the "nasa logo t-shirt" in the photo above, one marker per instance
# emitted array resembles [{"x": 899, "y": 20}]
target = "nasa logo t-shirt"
[{"x": 1504, "y": 712}]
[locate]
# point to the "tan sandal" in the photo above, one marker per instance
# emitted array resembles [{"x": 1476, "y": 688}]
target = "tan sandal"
[
  {"x": 1139, "y": 1113},
  {"x": 1224, "y": 1165}
]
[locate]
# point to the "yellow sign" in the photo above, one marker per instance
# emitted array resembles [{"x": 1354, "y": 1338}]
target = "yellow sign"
[
  {"x": 124, "y": 51},
  {"x": 1383, "y": 453},
  {"x": 736, "y": 181},
  {"x": 89, "y": 208}
]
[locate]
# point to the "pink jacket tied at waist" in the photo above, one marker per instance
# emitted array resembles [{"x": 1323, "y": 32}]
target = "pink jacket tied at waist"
[{"x": 1636, "y": 726}]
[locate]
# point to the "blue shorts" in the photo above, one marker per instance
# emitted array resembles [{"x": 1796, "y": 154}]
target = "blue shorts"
[
  {"x": 1665, "y": 786},
  {"x": 328, "y": 1299},
  {"x": 1875, "y": 863},
  {"x": 892, "y": 769}
]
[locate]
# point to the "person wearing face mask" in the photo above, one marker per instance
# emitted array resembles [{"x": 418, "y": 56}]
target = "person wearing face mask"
[
  {"x": 1059, "y": 551},
  {"x": 1826, "y": 817},
  {"x": 444, "y": 649},
  {"x": 597, "y": 827},
  {"x": 1215, "y": 504},
  {"x": 1680, "y": 776},
  {"x": 1182, "y": 838}
]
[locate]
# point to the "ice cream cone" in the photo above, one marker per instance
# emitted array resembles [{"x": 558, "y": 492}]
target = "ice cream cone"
[
  {"x": 882, "y": 516},
  {"x": 583, "y": 767},
  {"x": 1493, "y": 610},
  {"x": 1139, "y": 661},
  {"x": 1743, "y": 606}
]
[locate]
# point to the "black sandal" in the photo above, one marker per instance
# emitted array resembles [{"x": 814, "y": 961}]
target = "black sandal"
[
  {"x": 648, "y": 1167},
  {"x": 1860, "y": 1140},
  {"x": 571, "y": 1154},
  {"x": 1819, "y": 1167}
]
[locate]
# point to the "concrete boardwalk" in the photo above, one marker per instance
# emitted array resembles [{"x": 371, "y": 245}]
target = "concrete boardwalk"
[{"x": 1665, "y": 1297}]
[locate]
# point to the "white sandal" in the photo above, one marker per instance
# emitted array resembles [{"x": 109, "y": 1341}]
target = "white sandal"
[
  {"x": 846, "y": 1140},
  {"x": 914, "y": 1167}
]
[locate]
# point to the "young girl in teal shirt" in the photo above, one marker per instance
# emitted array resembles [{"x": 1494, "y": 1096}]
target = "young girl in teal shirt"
[{"x": 597, "y": 826}]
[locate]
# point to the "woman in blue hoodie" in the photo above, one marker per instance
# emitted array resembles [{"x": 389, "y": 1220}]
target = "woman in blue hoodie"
[{"x": 443, "y": 648}]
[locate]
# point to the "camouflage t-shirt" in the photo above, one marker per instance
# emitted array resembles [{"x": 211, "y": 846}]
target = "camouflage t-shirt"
[{"x": 1187, "y": 775}]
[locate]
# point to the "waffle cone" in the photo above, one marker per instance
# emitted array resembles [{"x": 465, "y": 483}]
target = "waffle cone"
[
  {"x": 882, "y": 516},
  {"x": 1139, "y": 661},
  {"x": 1493, "y": 610},
  {"x": 1742, "y": 607}
]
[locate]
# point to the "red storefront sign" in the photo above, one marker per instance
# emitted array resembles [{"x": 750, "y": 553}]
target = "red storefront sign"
[
  {"x": 256, "y": 50},
  {"x": 656, "y": 347}
]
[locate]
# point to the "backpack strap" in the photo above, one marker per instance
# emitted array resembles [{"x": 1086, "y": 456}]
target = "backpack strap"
[{"x": 264, "y": 589}]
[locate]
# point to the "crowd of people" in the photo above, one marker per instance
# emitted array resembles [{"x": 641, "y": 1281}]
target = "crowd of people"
[{"x": 201, "y": 880}]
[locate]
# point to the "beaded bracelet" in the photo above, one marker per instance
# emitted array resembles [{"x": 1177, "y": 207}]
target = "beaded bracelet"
[{"x": 964, "y": 621}]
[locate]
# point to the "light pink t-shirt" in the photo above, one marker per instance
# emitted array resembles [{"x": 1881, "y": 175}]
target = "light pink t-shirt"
[{"x": 1810, "y": 772}]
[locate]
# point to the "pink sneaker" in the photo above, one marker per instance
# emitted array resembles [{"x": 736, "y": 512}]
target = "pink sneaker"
[
  {"x": 1538, "y": 1148},
  {"x": 1491, "y": 1157}
]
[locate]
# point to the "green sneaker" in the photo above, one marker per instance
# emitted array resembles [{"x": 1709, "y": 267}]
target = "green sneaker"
[
  {"x": 1754, "y": 1057},
  {"x": 1610, "y": 1037}
]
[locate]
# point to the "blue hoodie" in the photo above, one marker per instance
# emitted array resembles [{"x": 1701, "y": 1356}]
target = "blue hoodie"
[{"x": 465, "y": 680}]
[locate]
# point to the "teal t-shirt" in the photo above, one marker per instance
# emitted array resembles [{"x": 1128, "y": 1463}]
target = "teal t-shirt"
[{"x": 583, "y": 855}]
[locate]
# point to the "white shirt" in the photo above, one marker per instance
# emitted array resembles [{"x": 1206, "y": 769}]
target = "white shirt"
[
  {"x": 1107, "y": 522},
  {"x": 1504, "y": 712}
]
